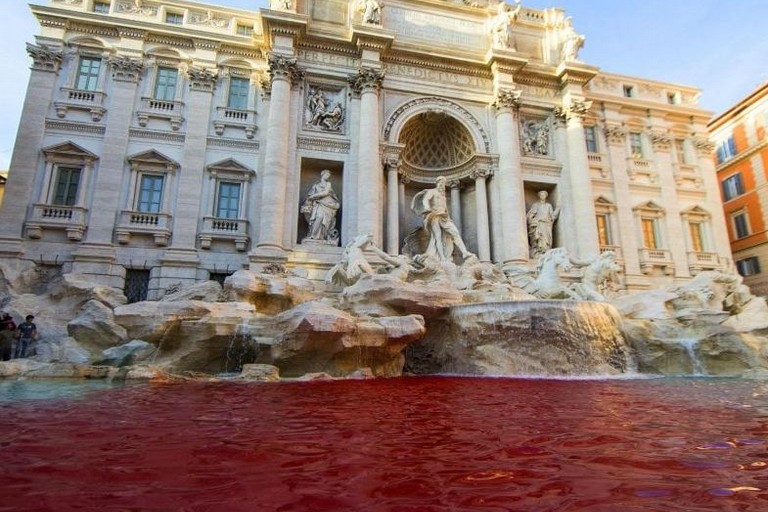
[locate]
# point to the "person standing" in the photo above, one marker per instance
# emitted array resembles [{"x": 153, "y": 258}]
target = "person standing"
[
  {"x": 26, "y": 334},
  {"x": 7, "y": 332}
]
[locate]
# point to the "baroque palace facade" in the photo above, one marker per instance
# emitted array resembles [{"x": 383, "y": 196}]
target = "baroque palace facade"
[{"x": 166, "y": 142}]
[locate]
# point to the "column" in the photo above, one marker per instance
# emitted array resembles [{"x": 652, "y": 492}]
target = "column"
[
  {"x": 282, "y": 71},
  {"x": 393, "y": 207},
  {"x": 481, "y": 198},
  {"x": 455, "y": 186},
  {"x": 367, "y": 83},
  {"x": 19, "y": 189},
  {"x": 580, "y": 182},
  {"x": 510, "y": 179}
]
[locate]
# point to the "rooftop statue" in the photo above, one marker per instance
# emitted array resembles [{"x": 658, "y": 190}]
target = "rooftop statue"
[
  {"x": 500, "y": 24},
  {"x": 572, "y": 42}
]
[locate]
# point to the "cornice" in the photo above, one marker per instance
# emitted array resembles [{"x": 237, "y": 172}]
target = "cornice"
[
  {"x": 96, "y": 30},
  {"x": 315, "y": 44},
  {"x": 439, "y": 64},
  {"x": 739, "y": 158},
  {"x": 181, "y": 42},
  {"x": 574, "y": 73}
]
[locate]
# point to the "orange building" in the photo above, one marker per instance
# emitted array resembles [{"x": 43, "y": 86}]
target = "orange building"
[{"x": 741, "y": 156}]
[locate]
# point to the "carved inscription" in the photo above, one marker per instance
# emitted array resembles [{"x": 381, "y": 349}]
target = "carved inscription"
[
  {"x": 435, "y": 75},
  {"x": 436, "y": 28}
]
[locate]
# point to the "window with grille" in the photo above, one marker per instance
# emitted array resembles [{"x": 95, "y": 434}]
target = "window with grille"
[
  {"x": 740, "y": 224},
  {"x": 590, "y": 133},
  {"x": 101, "y": 7},
  {"x": 88, "y": 74},
  {"x": 136, "y": 285},
  {"x": 165, "y": 86},
  {"x": 174, "y": 18},
  {"x": 636, "y": 145}
]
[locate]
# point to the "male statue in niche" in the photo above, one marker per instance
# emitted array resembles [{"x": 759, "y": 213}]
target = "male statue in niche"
[
  {"x": 432, "y": 205},
  {"x": 541, "y": 218},
  {"x": 319, "y": 210}
]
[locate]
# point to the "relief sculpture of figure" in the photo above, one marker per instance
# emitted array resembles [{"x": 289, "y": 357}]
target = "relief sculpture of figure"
[
  {"x": 500, "y": 25},
  {"x": 281, "y": 4},
  {"x": 320, "y": 114},
  {"x": 371, "y": 10},
  {"x": 541, "y": 218},
  {"x": 319, "y": 210},
  {"x": 572, "y": 42},
  {"x": 431, "y": 204}
]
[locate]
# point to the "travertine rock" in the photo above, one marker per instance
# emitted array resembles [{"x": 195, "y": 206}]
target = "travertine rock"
[
  {"x": 208, "y": 291},
  {"x": 94, "y": 327},
  {"x": 381, "y": 296},
  {"x": 268, "y": 292},
  {"x": 135, "y": 351},
  {"x": 260, "y": 373}
]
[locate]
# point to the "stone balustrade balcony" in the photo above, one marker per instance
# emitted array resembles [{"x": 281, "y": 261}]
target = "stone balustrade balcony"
[
  {"x": 70, "y": 219},
  {"x": 219, "y": 228},
  {"x": 688, "y": 176},
  {"x": 656, "y": 258},
  {"x": 157, "y": 225},
  {"x": 170, "y": 110},
  {"x": 615, "y": 249},
  {"x": 76, "y": 99},
  {"x": 243, "y": 119},
  {"x": 700, "y": 261},
  {"x": 641, "y": 169}
]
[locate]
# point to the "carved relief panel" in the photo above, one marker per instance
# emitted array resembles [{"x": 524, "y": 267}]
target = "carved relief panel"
[
  {"x": 536, "y": 136},
  {"x": 325, "y": 108}
]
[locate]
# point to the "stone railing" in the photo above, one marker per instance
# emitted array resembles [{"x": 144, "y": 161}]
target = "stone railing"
[
  {"x": 76, "y": 99},
  {"x": 243, "y": 119},
  {"x": 170, "y": 110},
  {"x": 652, "y": 258},
  {"x": 698, "y": 261},
  {"x": 144, "y": 223},
  {"x": 639, "y": 168},
  {"x": 615, "y": 249},
  {"x": 219, "y": 228},
  {"x": 48, "y": 216}
]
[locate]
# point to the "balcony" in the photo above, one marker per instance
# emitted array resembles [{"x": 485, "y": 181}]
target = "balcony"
[
  {"x": 170, "y": 110},
  {"x": 48, "y": 216},
  {"x": 218, "y": 228},
  {"x": 641, "y": 170},
  {"x": 656, "y": 258},
  {"x": 700, "y": 261},
  {"x": 133, "y": 222},
  {"x": 244, "y": 119},
  {"x": 75, "y": 99},
  {"x": 615, "y": 249},
  {"x": 688, "y": 176}
]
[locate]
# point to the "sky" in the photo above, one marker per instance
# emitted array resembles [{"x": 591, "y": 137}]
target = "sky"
[{"x": 718, "y": 46}]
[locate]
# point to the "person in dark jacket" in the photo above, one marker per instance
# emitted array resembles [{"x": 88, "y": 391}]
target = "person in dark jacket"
[
  {"x": 26, "y": 333},
  {"x": 7, "y": 333}
]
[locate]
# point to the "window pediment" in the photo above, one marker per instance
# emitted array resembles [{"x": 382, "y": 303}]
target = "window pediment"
[
  {"x": 231, "y": 169},
  {"x": 649, "y": 209},
  {"x": 154, "y": 160},
  {"x": 69, "y": 152}
]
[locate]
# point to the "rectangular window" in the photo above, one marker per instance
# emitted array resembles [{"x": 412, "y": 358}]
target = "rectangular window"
[
  {"x": 680, "y": 150},
  {"x": 740, "y": 225},
  {"x": 650, "y": 240},
  {"x": 697, "y": 238},
  {"x": 732, "y": 186},
  {"x": 88, "y": 74},
  {"x": 165, "y": 86},
  {"x": 238, "y": 93},
  {"x": 150, "y": 193},
  {"x": 629, "y": 91},
  {"x": 590, "y": 133},
  {"x": 673, "y": 98},
  {"x": 228, "y": 203},
  {"x": 603, "y": 231},
  {"x": 136, "y": 285},
  {"x": 726, "y": 150},
  {"x": 101, "y": 7},
  {"x": 636, "y": 144},
  {"x": 174, "y": 18},
  {"x": 748, "y": 266},
  {"x": 67, "y": 184},
  {"x": 244, "y": 30}
]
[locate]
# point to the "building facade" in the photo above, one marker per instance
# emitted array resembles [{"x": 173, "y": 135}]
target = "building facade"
[
  {"x": 167, "y": 142},
  {"x": 741, "y": 156}
]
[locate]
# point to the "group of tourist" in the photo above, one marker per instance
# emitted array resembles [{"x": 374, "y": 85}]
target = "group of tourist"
[{"x": 16, "y": 341}]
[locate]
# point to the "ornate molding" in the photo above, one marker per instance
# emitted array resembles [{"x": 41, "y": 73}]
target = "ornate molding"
[
  {"x": 323, "y": 144},
  {"x": 366, "y": 79},
  {"x": 45, "y": 58},
  {"x": 126, "y": 69},
  {"x": 507, "y": 99},
  {"x": 201, "y": 79},
  {"x": 176, "y": 138},
  {"x": 250, "y": 146},
  {"x": 704, "y": 146},
  {"x": 661, "y": 140},
  {"x": 131, "y": 33},
  {"x": 284, "y": 68},
  {"x": 74, "y": 126},
  {"x": 577, "y": 109},
  {"x": 615, "y": 134},
  {"x": 481, "y": 173}
]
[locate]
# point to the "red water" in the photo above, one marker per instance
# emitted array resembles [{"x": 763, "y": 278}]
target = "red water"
[{"x": 400, "y": 445}]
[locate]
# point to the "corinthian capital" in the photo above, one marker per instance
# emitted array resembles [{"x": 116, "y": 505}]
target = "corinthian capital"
[
  {"x": 201, "y": 79},
  {"x": 126, "y": 69},
  {"x": 507, "y": 98},
  {"x": 44, "y": 58},
  {"x": 366, "y": 79},
  {"x": 284, "y": 67},
  {"x": 577, "y": 108}
]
